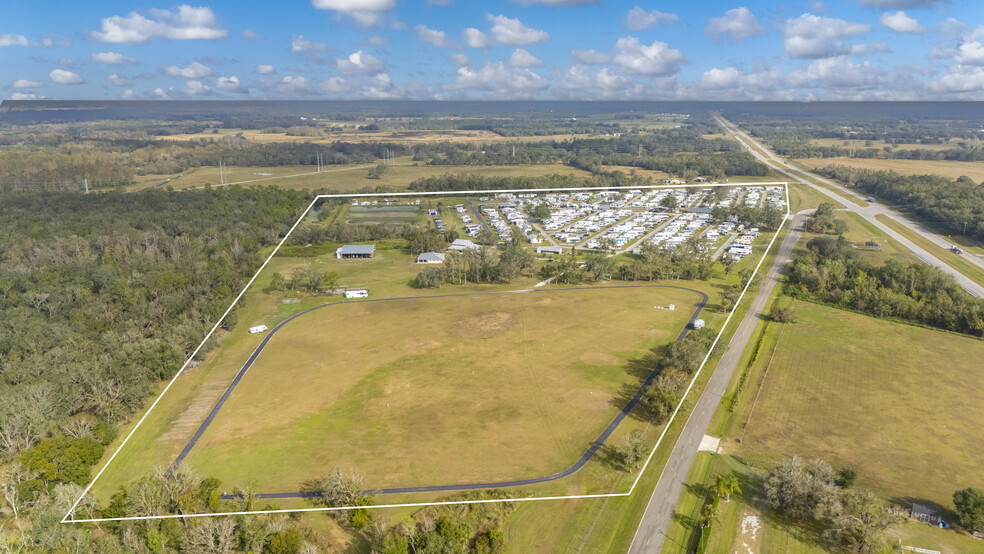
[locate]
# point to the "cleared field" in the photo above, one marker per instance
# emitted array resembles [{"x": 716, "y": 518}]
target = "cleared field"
[
  {"x": 629, "y": 170},
  {"x": 346, "y": 178},
  {"x": 900, "y": 404},
  {"x": 489, "y": 387},
  {"x": 879, "y": 144},
  {"x": 974, "y": 170},
  {"x": 353, "y": 135}
]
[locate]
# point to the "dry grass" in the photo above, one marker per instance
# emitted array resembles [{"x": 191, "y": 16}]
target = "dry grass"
[
  {"x": 353, "y": 135},
  {"x": 974, "y": 170},
  {"x": 484, "y": 387},
  {"x": 345, "y": 178},
  {"x": 879, "y": 144}
]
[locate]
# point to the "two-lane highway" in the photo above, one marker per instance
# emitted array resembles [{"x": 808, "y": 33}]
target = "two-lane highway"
[{"x": 656, "y": 520}]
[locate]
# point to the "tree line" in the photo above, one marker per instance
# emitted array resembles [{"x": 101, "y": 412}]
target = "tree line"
[
  {"x": 830, "y": 271},
  {"x": 953, "y": 206}
]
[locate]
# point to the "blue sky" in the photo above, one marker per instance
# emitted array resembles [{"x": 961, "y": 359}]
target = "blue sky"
[{"x": 512, "y": 49}]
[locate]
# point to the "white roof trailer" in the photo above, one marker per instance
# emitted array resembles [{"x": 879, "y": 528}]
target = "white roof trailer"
[{"x": 256, "y": 329}]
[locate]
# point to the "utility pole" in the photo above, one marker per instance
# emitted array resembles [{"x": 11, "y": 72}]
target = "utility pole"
[{"x": 86, "y": 182}]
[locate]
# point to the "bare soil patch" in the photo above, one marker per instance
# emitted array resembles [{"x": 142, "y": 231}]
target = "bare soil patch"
[
  {"x": 482, "y": 326},
  {"x": 190, "y": 419}
]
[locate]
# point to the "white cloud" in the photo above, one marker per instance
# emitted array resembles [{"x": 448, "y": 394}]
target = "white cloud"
[
  {"x": 367, "y": 13},
  {"x": 193, "y": 70},
  {"x": 638, "y": 19},
  {"x": 460, "y": 60},
  {"x": 302, "y": 45},
  {"x": 188, "y": 23},
  {"x": 23, "y": 96},
  {"x": 230, "y": 84},
  {"x": 838, "y": 73},
  {"x": 813, "y": 36},
  {"x": 294, "y": 85},
  {"x": 360, "y": 63},
  {"x": 514, "y": 33},
  {"x": 431, "y": 36},
  {"x": 55, "y": 42},
  {"x": 655, "y": 60},
  {"x": 590, "y": 57},
  {"x": 868, "y": 48},
  {"x": 579, "y": 78},
  {"x": 250, "y": 34},
  {"x": 560, "y": 2},
  {"x": 336, "y": 85},
  {"x": 24, "y": 83},
  {"x": 197, "y": 88},
  {"x": 899, "y": 22},
  {"x": 970, "y": 53},
  {"x": 522, "y": 58},
  {"x": 498, "y": 81},
  {"x": 112, "y": 58},
  {"x": 951, "y": 27},
  {"x": 9, "y": 39},
  {"x": 735, "y": 25},
  {"x": 960, "y": 82},
  {"x": 718, "y": 79},
  {"x": 902, "y": 4},
  {"x": 376, "y": 40},
  {"x": 264, "y": 69},
  {"x": 476, "y": 39},
  {"x": 63, "y": 77},
  {"x": 117, "y": 81}
]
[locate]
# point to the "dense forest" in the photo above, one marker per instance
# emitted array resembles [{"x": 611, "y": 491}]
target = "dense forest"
[
  {"x": 953, "y": 207},
  {"x": 103, "y": 296},
  {"x": 831, "y": 271}
]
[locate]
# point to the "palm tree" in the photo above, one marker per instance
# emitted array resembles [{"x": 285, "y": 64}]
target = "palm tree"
[
  {"x": 726, "y": 485},
  {"x": 709, "y": 512}
]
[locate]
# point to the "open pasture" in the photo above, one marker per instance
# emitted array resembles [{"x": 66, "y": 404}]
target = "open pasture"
[
  {"x": 345, "y": 178},
  {"x": 898, "y": 403},
  {"x": 435, "y": 391},
  {"x": 974, "y": 170}
]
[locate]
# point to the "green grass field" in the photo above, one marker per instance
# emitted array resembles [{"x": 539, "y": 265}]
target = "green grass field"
[
  {"x": 896, "y": 402},
  {"x": 899, "y": 403},
  {"x": 491, "y": 387},
  {"x": 388, "y": 275}
]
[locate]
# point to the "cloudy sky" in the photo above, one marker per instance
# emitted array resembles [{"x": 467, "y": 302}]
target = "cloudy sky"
[{"x": 512, "y": 49}]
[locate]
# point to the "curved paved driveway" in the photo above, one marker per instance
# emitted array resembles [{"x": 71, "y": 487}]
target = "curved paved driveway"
[{"x": 592, "y": 448}]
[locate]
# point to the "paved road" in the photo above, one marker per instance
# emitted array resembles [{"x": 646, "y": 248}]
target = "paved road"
[
  {"x": 592, "y": 448},
  {"x": 656, "y": 520},
  {"x": 869, "y": 212}
]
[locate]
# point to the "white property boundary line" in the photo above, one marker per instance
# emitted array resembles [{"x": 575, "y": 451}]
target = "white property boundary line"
[{"x": 69, "y": 515}]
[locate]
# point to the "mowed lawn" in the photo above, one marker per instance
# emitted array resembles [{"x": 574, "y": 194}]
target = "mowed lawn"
[
  {"x": 974, "y": 170},
  {"x": 438, "y": 390},
  {"x": 898, "y": 403}
]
